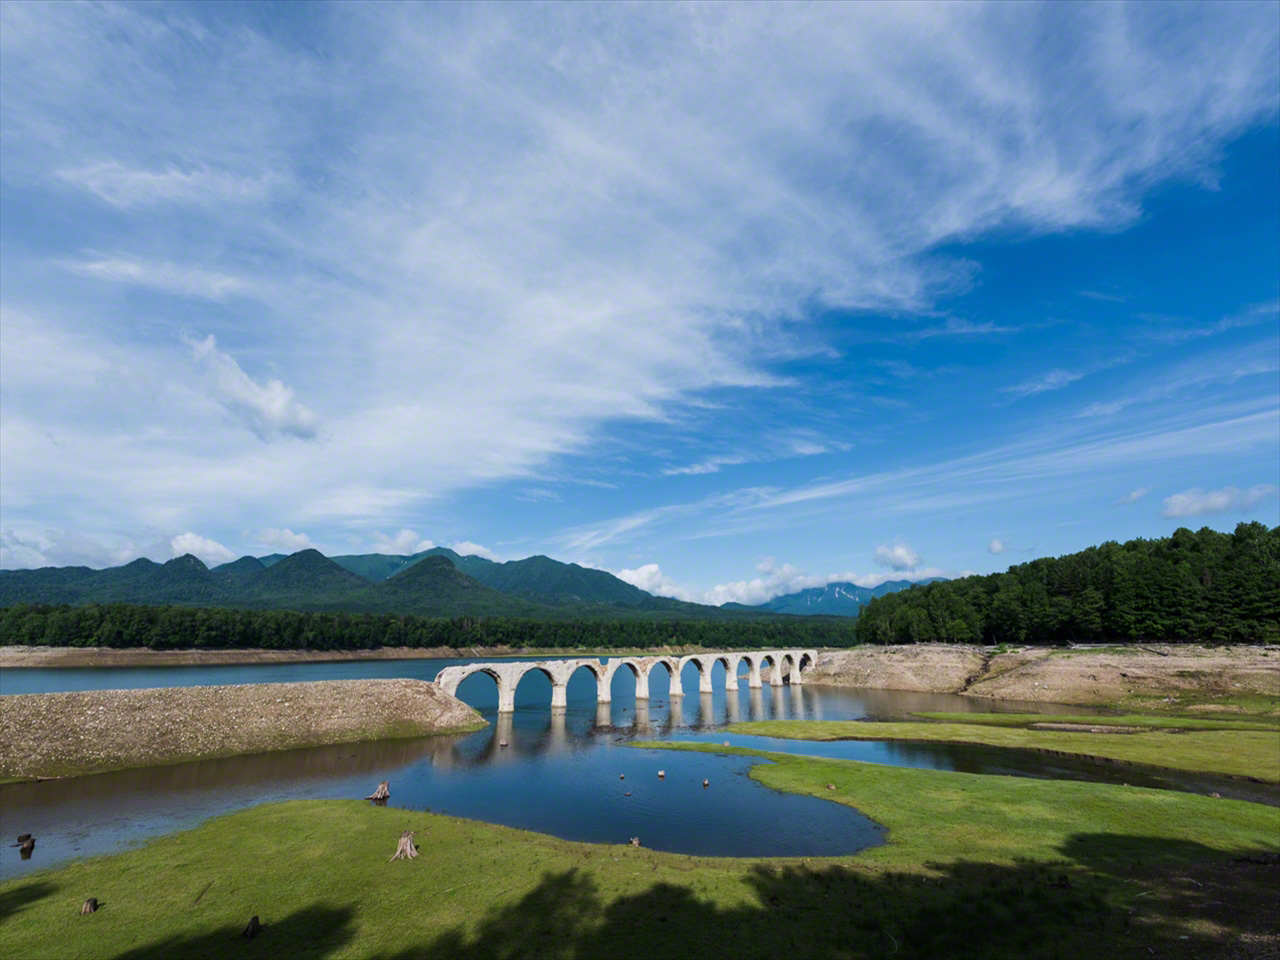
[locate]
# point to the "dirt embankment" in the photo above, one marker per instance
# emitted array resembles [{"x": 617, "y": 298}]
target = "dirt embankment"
[
  {"x": 58, "y": 734},
  {"x": 927, "y": 669},
  {"x": 1183, "y": 676}
]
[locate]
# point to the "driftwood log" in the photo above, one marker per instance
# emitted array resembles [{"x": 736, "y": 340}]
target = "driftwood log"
[
  {"x": 89, "y": 906},
  {"x": 382, "y": 794},
  {"x": 253, "y": 929},
  {"x": 405, "y": 850}
]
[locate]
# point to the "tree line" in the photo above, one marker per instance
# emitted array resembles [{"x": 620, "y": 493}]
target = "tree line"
[
  {"x": 180, "y": 627},
  {"x": 1191, "y": 587}
]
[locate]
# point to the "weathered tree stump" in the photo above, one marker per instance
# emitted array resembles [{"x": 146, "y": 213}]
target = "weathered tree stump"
[
  {"x": 89, "y": 906},
  {"x": 405, "y": 850},
  {"x": 635, "y": 841},
  {"x": 383, "y": 792},
  {"x": 705, "y": 784},
  {"x": 253, "y": 929},
  {"x": 662, "y": 774},
  {"x": 24, "y": 851}
]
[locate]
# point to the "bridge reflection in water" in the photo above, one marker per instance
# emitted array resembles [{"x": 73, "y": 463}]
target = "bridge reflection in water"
[{"x": 783, "y": 667}]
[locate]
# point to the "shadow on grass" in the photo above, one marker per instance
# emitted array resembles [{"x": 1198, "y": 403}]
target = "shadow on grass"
[
  {"x": 315, "y": 931},
  {"x": 11, "y": 901},
  {"x": 1111, "y": 896}
]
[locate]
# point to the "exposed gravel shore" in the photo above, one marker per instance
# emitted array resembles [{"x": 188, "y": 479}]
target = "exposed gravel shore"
[
  {"x": 1184, "y": 673},
  {"x": 59, "y": 734}
]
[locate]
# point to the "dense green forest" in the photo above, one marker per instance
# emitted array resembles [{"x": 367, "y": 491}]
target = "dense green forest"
[
  {"x": 1201, "y": 587},
  {"x": 174, "y": 627}
]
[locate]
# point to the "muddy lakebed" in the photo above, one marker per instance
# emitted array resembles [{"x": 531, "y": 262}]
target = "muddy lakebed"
[{"x": 567, "y": 773}]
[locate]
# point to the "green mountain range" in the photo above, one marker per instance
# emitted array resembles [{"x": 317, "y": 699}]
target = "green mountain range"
[{"x": 437, "y": 582}]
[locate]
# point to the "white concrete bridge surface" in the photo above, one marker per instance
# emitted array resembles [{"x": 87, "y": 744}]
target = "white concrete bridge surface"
[{"x": 773, "y": 666}]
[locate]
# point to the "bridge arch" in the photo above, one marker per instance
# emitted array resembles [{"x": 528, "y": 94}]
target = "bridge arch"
[
  {"x": 632, "y": 664},
  {"x": 598, "y": 672}
]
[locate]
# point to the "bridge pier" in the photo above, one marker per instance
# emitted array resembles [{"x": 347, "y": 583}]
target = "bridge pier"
[
  {"x": 753, "y": 678},
  {"x": 731, "y": 672},
  {"x": 506, "y": 698},
  {"x": 559, "y": 699},
  {"x": 704, "y": 676}
]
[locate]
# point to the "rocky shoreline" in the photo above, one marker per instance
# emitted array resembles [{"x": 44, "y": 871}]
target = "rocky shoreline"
[
  {"x": 64, "y": 734},
  {"x": 1085, "y": 676}
]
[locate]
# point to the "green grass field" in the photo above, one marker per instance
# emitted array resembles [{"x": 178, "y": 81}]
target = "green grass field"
[
  {"x": 1123, "y": 720},
  {"x": 1233, "y": 752},
  {"x": 974, "y": 866}
]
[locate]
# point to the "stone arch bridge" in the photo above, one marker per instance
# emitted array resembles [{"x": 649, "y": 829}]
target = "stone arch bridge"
[{"x": 778, "y": 666}]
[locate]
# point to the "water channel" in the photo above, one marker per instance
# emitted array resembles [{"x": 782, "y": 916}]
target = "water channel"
[{"x": 561, "y": 773}]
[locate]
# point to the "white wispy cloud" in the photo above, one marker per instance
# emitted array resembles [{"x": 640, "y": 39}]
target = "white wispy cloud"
[
  {"x": 61, "y": 548},
  {"x": 1210, "y": 369},
  {"x": 956, "y": 327},
  {"x": 209, "y": 551},
  {"x": 996, "y": 546},
  {"x": 283, "y": 539},
  {"x": 650, "y": 578},
  {"x": 1042, "y": 383},
  {"x": 187, "y": 281},
  {"x": 712, "y": 465},
  {"x": 401, "y": 544},
  {"x": 1026, "y": 469},
  {"x": 1133, "y": 496},
  {"x": 268, "y": 409},
  {"x": 125, "y": 187},
  {"x": 1197, "y": 502},
  {"x": 466, "y": 548},
  {"x": 897, "y": 556}
]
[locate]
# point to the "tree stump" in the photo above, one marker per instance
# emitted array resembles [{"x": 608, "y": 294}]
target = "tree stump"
[
  {"x": 24, "y": 851},
  {"x": 253, "y": 929},
  {"x": 89, "y": 906},
  {"x": 405, "y": 850},
  {"x": 635, "y": 841},
  {"x": 383, "y": 792}
]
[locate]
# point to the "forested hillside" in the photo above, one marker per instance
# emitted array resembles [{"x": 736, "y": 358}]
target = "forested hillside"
[
  {"x": 1204, "y": 586},
  {"x": 433, "y": 583},
  {"x": 166, "y": 628}
]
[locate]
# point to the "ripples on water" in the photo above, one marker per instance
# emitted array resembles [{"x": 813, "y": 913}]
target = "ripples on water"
[{"x": 559, "y": 773}]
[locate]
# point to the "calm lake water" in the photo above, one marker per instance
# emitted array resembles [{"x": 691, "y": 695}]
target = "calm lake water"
[{"x": 560, "y": 773}]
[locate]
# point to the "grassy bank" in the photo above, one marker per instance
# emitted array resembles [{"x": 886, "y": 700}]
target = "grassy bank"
[
  {"x": 1128, "y": 720},
  {"x": 974, "y": 867},
  {"x": 1232, "y": 752}
]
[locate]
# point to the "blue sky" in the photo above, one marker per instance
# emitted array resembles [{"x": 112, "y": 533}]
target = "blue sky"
[{"x": 729, "y": 300}]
